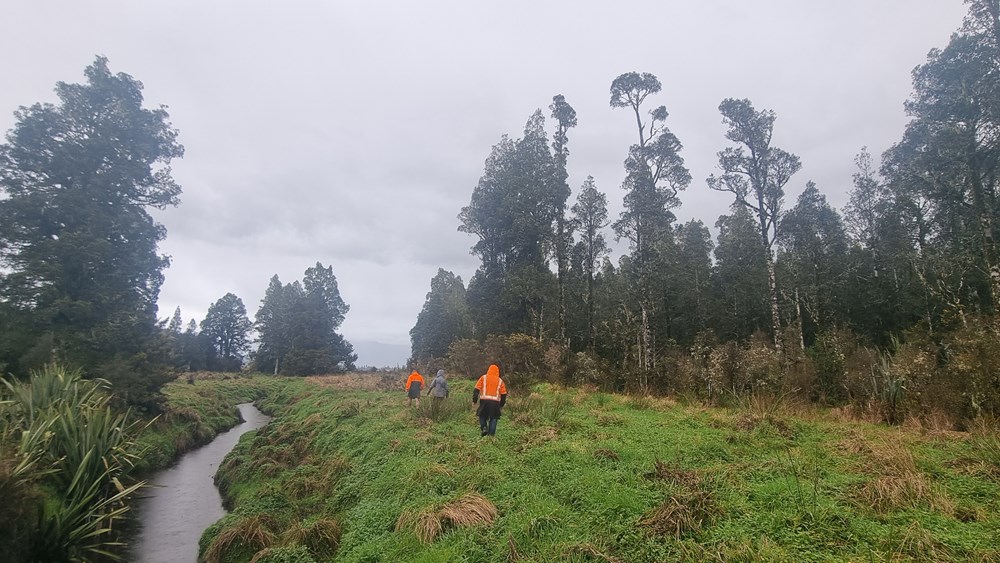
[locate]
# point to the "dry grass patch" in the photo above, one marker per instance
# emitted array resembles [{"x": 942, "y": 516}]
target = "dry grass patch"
[
  {"x": 253, "y": 533},
  {"x": 681, "y": 514},
  {"x": 441, "y": 469},
  {"x": 917, "y": 543},
  {"x": 673, "y": 473},
  {"x": 898, "y": 483},
  {"x": 425, "y": 524},
  {"x": 748, "y": 422},
  {"x": 469, "y": 511},
  {"x": 349, "y": 381},
  {"x": 537, "y": 437},
  {"x": 686, "y": 512}
]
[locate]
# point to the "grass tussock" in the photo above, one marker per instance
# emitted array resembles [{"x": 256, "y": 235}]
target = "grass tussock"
[
  {"x": 321, "y": 537},
  {"x": 251, "y": 533},
  {"x": 984, "y": 446},
  {"x": 469, "y": 511},
  {"x": 673, "y": 473},
  {"x": 425, "y": 524},
  {"x": 918, "y": 544},
  {"x": 283, "y": 554},
  {"x": 897, "y": 483},
  {"x": 760, "y": 550},
  {"x": 537, "y": 438},
  {"x": 682, "y": 514},
  {"x": 606, "y": 454},
  {"x": 589, "y": 551}
]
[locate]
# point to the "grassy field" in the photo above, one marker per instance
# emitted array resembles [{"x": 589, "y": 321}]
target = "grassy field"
[{"x": 346, "y": 472}]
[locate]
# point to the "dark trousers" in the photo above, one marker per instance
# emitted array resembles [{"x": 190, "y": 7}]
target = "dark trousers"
[{"x": 487, "y": 426}]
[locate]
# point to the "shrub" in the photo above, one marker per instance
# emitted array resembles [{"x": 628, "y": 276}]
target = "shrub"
[
  {"x": 724, "y": 369},
  {"x": 467, "y": 357},
  {"x": 84, "y": 460},
  {"x": 586, "y": 369},
  {"x": 761, "y": 365},
  {"x": 829, "y": 355}
]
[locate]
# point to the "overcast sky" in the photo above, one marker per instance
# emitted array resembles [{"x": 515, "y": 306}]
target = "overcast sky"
[{"x": 352, "y": 133}]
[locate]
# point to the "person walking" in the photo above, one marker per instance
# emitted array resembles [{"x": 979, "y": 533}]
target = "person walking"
[
  {"x": 491, "y": 394},
  {"x": 413, "y": 385},
  {"x": 438, "y": 390}
]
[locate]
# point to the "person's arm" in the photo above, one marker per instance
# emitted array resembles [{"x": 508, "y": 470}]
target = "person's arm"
[
  {"x": 503, "y": 399},
  {"x": 475, "y": 396}
]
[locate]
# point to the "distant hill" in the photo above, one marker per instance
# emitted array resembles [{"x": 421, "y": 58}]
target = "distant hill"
[{"x": 379, "y": 354}]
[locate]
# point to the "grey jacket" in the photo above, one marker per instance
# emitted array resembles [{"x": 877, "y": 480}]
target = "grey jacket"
[{"x": 438, "y": 387}]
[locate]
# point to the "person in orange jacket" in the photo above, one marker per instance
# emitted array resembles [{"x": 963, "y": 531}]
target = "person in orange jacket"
[
  {"x": 413, "y": 385},
  {"x": 491, "y": 394}
]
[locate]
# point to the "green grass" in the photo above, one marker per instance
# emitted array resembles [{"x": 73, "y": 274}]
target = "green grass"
[{"x": 578, "y": 476}]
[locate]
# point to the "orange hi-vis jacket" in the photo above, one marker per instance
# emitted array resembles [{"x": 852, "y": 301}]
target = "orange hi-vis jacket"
[
  {"x": 414, "y": 377},
  {"x": 490, "y": 386}
]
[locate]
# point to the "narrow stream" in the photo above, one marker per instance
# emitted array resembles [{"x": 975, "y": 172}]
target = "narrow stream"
[{"x": 182, "y": 500}]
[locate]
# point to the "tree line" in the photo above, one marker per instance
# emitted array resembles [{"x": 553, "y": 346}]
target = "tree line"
[
  {"x": 891, "y": 301},
  {"x": 296, "y": 331}
]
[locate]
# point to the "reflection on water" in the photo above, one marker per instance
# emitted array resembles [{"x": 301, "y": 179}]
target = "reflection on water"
[{"x": 182, "y": 500}]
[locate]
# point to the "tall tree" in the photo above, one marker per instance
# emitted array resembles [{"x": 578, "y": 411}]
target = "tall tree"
[
  {"x": 590, "y": 216},
  {"x": 655, "y": 173},
  {"x": 884, "y": 297},
  {"x": 950, "y": 150},
  {"x": 740, "y": 276},
  {"x": 315, "y": 314},
  {"x": 228, "y": 327},
  {"x": 565, "y": 117},
  {"x": 690, "y": 282},
  {"x": 78, "y": 248},
  {"x": 272, "y": 323},
  {"x": 756, "y": 173},
  {"x": 176, "y": 322},
  {"x": 814, "y": 254},
  {"x": 443, "y": 319},
  {"x": 512, "y": 213}
]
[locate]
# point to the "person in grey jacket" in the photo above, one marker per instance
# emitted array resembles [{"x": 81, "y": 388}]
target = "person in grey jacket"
[{"x": 438, "y": 387}]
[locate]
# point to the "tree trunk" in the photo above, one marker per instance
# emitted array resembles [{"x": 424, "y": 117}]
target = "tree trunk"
[
  {"x": 647, "y": 348},
  {"x": 798, "y": 317},
  {"x": 775, "y": 315},
  {"x": 561, "y": 275},
  {"x": 590, "y": 310}
]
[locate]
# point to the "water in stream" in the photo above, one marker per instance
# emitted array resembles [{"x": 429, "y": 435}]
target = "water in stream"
[{"x": 182, "y": 500}]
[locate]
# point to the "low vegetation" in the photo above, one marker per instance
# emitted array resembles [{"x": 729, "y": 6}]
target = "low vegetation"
[
  {"x": 66, "y": 460},
  {"x": 346, "y": 472}
]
